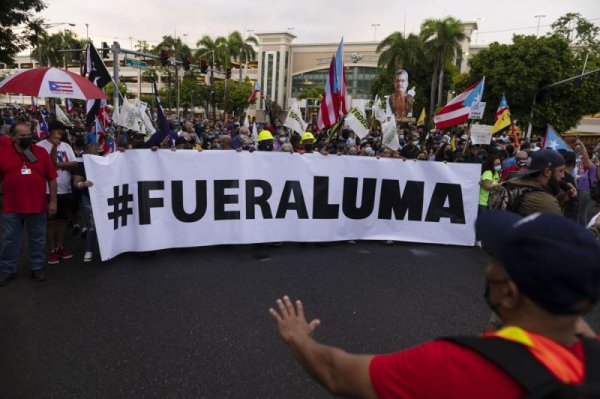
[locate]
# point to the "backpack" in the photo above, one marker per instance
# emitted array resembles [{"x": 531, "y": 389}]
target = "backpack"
[
  {"x": 508, "y": 196},
  {"x": 516, "y": 360}
]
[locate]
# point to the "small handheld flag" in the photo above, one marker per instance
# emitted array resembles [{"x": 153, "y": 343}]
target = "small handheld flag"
[{"x": 553, "y": 140}]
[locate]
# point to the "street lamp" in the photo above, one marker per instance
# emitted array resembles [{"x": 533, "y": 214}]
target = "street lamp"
[
  {"x": 375, "y": 30},
  {"x": 185, "y": 35},
  {"x": 87, "y": 35},
  {"x": 539, "y": 17}
]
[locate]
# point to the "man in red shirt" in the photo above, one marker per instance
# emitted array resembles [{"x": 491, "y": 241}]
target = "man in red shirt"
[
  {"x": 543, "y": 276},
  {"x": 24, "y": 171}
]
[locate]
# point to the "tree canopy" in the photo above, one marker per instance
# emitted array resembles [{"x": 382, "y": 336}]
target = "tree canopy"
[
  {"x": 521, "y": 69},
  {"x": 20, "y": 27}
]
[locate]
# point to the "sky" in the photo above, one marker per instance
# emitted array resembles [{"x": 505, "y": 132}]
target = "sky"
[{"x": 312, "y": 21}]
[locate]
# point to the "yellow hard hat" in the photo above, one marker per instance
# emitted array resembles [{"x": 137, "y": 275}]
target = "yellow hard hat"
[
  {"x": 308, "y": 136},
  {"x": 265, "y": 135}
]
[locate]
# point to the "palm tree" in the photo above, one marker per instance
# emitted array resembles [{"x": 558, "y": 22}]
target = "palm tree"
[
  {"x": 442, "y": 39},
  {"x": 212, "y": 50},
  {"x": 243, "y": 49},
  {"x": 398, "y": 51},
  {"x": 177, "y": 50},
  {"x": 47, "y": 51}
]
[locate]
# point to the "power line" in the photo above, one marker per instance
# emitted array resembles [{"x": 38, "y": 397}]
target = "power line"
[{"x": 528, "y": 27}]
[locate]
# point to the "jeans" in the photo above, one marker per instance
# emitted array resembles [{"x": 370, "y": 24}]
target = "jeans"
[
  {"x": 11, "y": 240},
  {"x": 88, "y": 221}
]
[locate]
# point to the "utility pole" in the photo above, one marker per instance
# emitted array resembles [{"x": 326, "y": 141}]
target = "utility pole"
[
  {"x": 115, "y": 50},
  {"x": 539, "y": 17}
]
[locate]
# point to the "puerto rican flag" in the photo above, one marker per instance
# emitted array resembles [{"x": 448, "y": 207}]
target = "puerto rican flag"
[
  {"x": 41, "y": 130},
  {"x": 60, "y": 87},
  {"x": 109, "y": 145},
  {"x": 255, "y": 89},
  {"x": 339, "y": 87},
  {"x": 69, "y": 106},
  {"x": 104, "y": 114},
  {"x": 329, "y": 111},
  {"x": 458, "y": 109},
  {"x": 501, "y": 108}
]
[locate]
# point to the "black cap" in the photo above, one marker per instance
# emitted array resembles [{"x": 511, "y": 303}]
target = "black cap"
[
  {"x": 554, "y": 261},
  {"x": 543, "y": 159},
  {"x": 56, "y": 125}
]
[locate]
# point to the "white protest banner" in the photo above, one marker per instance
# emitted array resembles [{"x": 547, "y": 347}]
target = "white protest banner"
[
  {"x": 390, "y": 134},
  {"x": 294, "y": 120},
  {"x": 357, "y": 120},
  {"x": 477, "y": 110},
  {"x": 150, "y": 200},
  {"x": 481, "y": 134}
]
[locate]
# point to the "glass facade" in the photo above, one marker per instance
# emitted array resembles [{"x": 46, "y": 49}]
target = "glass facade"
[{"x": 358, "y": 80}]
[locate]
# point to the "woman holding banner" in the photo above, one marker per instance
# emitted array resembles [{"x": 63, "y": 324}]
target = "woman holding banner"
[{"x": 490, "y": 177}]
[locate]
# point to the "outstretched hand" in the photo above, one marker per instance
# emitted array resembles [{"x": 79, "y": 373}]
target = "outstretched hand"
[{"x": 291, "y": 321}]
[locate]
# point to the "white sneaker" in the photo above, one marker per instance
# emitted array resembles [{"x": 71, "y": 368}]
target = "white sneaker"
[{"x": 87, "y": 257}]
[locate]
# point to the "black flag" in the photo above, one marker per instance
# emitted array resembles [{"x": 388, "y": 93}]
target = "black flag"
[{"x": 97, "y": 73}]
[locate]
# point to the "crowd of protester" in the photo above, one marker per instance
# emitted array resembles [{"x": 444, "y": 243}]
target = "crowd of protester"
[{"x": 501, "y": 161}]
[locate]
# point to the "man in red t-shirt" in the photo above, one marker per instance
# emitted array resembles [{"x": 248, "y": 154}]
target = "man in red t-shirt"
[
  {"x": 24, "y": 171},
  {"x": 543, "y": 276}
]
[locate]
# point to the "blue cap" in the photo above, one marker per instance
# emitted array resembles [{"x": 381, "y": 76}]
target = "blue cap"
[{"x": 554, "y": 261}]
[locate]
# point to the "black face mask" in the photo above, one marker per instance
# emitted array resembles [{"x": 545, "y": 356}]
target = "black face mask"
[
  {"x": 448, "y": 154},
  {"x": 24, "y": 142},
  {"x": 100, "y": 154},
  {"x": 266, "y": 147},
  {"x": 308, "y": 147}
]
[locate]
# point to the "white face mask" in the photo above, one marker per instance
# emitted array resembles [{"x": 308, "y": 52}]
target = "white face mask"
[
  {"x": 282, "y": 139},
  {"x": 497, "y": 168}
]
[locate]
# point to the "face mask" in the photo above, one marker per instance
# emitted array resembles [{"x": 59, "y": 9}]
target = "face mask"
[
  {"x": 448, "y": 153},
  {"x": 522, "y": 163},
  {"x": 497, "y": 168},
  {"x": 100, "y": 153},
  {"x": 401, "y": 137},
  {"x": 218, "y": 146},
  {"x": 282, "y": 140},
  {"x": 352, "y": 153},
  {"x": 368, "y": 151},
  {"x": 308, "y": 147},
  {"x": 267, "y": 147},
  {"x": 415, "y": 142},
  {"x": 25, "y": 142}
]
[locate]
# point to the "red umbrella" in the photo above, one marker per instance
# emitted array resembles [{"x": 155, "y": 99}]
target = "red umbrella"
[{"x": 51, "y": 82}]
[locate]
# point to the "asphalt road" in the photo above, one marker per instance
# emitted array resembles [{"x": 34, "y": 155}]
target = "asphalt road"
[{"x": 193, "y": 323}]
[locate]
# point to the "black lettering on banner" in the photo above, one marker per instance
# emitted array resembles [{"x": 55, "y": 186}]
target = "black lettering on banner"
[
  {"x": 252, "y": 200},
  {"x": 145, "y": 203},
  {"x": 321, "y": 208},
  {"x": 177, "y": 201},
  {"x": 410, "y": 201},
  {"x": 292, "y": 186},
  {"x": 350, "y": 195},
  {"x": 222, "y": 199},
  {"x": 455, "y": 210}
]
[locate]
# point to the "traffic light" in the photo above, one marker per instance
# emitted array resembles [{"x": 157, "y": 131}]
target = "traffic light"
[
  {"x": 203, "y": 66},
  {"x": 187, "y": 60},
  {"x": 103, "y": 51},
  {"x": 164, "y": 57},
  {"x": 228, "y": 73}
]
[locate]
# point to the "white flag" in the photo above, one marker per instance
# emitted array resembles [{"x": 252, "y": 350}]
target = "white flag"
[
  {"x": 247, "y": 120},
  {"x": 254, "y": 134},
  {"x": 61, "y": 116},
  {"x": 129, "y": 117},
  {"x": 294, "y": 120},
  {"x": 378, "y": 113},
  {"x": 357, "y": 120},
  {"x": 389, "y": 134}
]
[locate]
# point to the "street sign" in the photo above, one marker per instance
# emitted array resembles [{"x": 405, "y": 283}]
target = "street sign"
[{"x": 135, "y": 63}]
